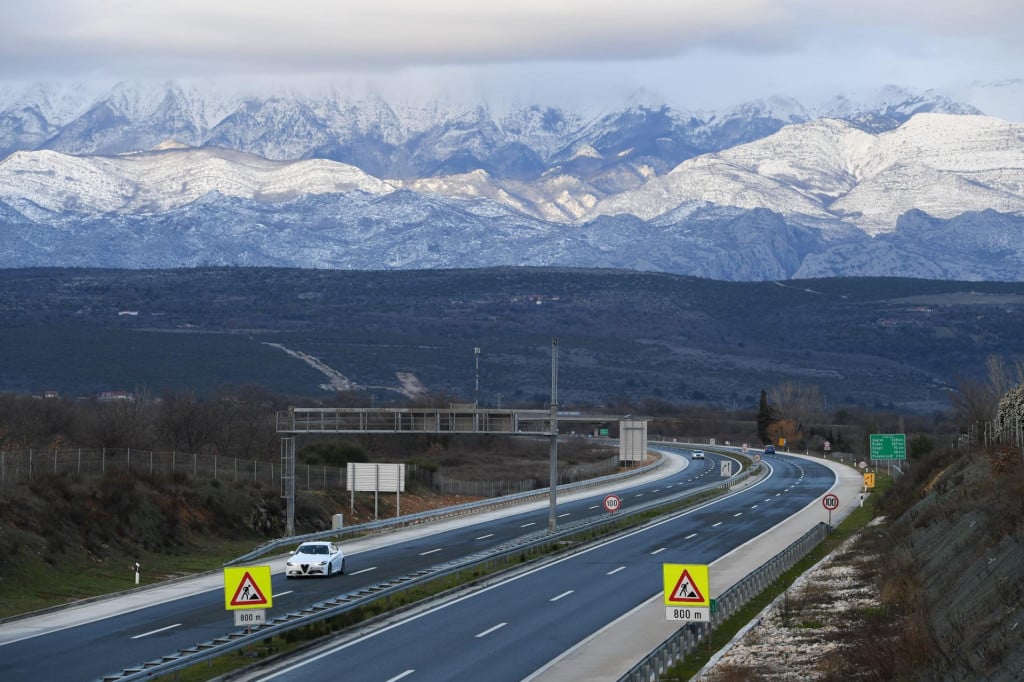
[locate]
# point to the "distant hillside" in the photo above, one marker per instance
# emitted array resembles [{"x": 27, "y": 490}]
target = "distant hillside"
[{"x": 623, "y": 336}]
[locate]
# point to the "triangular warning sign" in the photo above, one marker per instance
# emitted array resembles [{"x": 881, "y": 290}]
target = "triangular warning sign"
[
  {"x": 685, "y": 591},
  {"x": 248, "y": 593}
]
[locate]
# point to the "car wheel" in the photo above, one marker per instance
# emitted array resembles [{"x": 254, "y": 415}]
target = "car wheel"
[
  {"x": 342, "y": 565},
  {"x": 329, "y": 567}
]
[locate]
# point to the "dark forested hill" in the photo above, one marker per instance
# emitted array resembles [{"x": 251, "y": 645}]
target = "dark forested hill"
[{"x": 622, "y": 335}]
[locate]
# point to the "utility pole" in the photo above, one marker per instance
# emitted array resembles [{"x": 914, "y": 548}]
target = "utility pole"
[
  {"x": 554, "y": 435},
  {"x": 476, "y": 392}
]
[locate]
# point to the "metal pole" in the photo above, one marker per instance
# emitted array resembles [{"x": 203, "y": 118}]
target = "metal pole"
[
  {"x": 288, "y": 471},
  {"x": 476, "y": 391},
  {"x": 554, "y": 436}
]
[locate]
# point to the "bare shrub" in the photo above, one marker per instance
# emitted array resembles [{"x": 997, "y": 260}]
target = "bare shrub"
[{"x": 732, "y": 672}]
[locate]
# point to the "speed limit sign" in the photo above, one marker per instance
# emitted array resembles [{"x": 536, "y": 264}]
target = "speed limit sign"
[
  {"x": 830, "y": 502},
  {"x": 612, "y": 503}
]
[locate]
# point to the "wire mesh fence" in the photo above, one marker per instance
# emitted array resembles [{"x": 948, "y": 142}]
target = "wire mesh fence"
[{"x": 19, "y": 467}]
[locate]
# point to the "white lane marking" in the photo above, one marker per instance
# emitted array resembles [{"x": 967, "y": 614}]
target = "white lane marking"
[
  {"x": 398, "y": 677},
  {"x": 737, "y": 514},
  {"x": 527, "y": 525},
  {"x": 430, "y": 551},
  {"x": 564, "y": 594},
  {"x": 658, "y": 551},
  {"x": 639, "y": 494},
  {"x": 153, "y": 632},
  {"x": 490, "y": 630},
  {"x": 716, "y": 525},
  {"x": 754, "y": 506},
  {"x": 281, "y": 594},
  {"x": 596, "y": 506},
  {"x": 615, "y": 570},
  {"x": 484, "y": 537},
  {"x": 365, "y": 570},
  {"x": 691, "y": 535},
  {"x": 565, "y": 514}
]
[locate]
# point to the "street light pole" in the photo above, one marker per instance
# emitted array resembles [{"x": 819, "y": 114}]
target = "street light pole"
[
  {"x": 554, "y": 436},
  {"x": 476, "y": 392}
]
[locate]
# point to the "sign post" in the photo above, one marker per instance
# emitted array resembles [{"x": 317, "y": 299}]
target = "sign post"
[
  {"x": 687, "y": 592},
  {"x": 888, "y": 446},
  {"x": 830, "y": 502}
]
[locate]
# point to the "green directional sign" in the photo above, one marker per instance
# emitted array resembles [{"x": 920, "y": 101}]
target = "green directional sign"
[{"x": 888, "y": 446}]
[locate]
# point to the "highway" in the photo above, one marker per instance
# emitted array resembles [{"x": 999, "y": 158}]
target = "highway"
[
  {"x": 105, "y": 636},
  {"x": 515, "y": 626}
]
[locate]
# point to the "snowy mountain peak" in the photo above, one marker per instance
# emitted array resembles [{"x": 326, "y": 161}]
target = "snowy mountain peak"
[{"x": 177, "y": 174}]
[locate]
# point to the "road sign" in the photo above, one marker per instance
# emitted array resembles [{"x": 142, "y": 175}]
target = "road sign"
[
  {"x": 888, "y": 446},
  {"x": 247, "y": 587},
  {"x": 250, "y": 617},
  {"x": 830, "y": 502},
  {"x": 686, "y": 585},
  {"x": 612, "y": 503},
  {"x": 726, "y": 468},
  {"x": 869, "y": 479},
  {"x": 687, "y": 613}
]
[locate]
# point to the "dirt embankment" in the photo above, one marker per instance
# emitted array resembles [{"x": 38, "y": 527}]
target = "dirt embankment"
[{"x": 935, "y": 593}]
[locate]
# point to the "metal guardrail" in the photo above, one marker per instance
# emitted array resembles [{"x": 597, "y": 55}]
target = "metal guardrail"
[
  {"x": 342, "y": 603},
  {"x": 686, "y": 639}
]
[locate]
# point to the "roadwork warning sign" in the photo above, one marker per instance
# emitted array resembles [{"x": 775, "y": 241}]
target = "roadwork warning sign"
[
  {"x": 247, "y": 587},
  {"x": 686, "y": 585}
]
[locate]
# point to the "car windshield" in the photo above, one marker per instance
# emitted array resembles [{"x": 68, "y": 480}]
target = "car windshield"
[{"x": 313, "y": 549}]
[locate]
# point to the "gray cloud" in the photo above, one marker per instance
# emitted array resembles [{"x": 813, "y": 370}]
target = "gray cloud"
[{"x": 648, "y": 43}]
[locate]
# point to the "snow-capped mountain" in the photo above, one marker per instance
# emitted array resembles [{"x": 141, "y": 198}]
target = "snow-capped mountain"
[
  {"x": 47, "y": 182},
  {"x": 174, "y": 175},
  {"x": 830, "y": 170}
]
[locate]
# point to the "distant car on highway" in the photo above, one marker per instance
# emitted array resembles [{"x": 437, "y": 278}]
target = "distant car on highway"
[
  {"x": 315, "y": 558},
  {"x": 697, "y": 454},
  {"x": 769, "y": 449}
]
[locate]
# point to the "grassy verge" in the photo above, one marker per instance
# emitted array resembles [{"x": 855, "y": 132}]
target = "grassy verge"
[
  {"x": 725, "y": 631},
  {"x": 35, "y": 585}
]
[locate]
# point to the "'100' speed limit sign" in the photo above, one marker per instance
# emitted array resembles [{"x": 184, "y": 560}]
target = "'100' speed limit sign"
[{"x": 612, "y": 503}]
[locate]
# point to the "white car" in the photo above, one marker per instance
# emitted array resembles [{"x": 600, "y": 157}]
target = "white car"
[
  {"x": 697, "y": 454},
  {"x": 315, "y": 558}
]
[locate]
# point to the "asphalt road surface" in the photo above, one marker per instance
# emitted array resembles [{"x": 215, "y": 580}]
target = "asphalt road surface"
[{"x": 101, "y": 637}]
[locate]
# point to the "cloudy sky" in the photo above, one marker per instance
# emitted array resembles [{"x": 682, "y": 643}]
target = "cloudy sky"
[{"x": 697, "y": 53}]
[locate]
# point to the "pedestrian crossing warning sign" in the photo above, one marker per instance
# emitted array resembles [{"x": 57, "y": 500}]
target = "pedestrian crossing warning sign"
[
  {"x": 686, "y": 585},
  {"x": 247, "y": 587}
]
